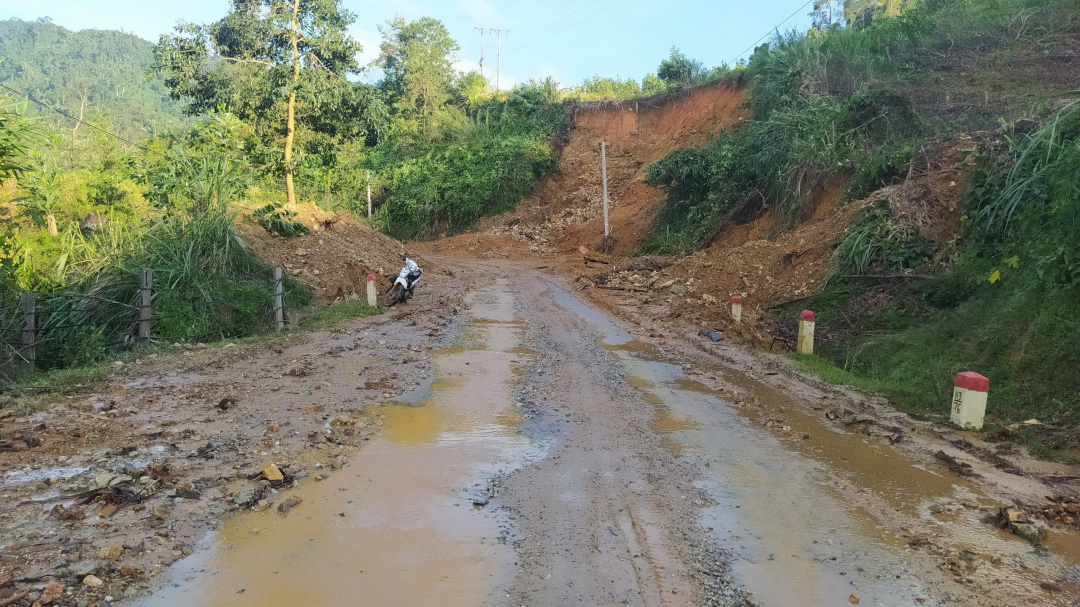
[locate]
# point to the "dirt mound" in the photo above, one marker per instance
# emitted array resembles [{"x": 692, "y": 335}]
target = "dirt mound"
[
  {"x": 334, "y": 259},
  {"x": 769, "y": 271},
  {"x": 928, "y": 201},
  {"x": 744, "y": 261},
  {"x": 566, "y": 210}
]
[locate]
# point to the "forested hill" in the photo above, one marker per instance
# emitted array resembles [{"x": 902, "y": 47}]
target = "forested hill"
[{"x": 98, "y": 74}]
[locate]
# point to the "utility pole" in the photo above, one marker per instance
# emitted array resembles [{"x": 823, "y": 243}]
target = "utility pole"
[
  {"x": 603, "y": 168},
  {"x": 482, "y": 31},
  {"x": 498, "y": 61}
]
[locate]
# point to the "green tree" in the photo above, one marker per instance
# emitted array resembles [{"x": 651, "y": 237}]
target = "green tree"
[
  {"x": 680, "y": 70},
  {"x": 204, "y": 171},
  {"x": 86, "y": 70},
  {"x": 651, "y": 85},
  {"x": 16, "y": 135},
  {"x": 417, "y": 59},
  {"x": 862, "y": 12},
  {"x": 263, "y": 53},
  {"x": 471, "y": 90}
]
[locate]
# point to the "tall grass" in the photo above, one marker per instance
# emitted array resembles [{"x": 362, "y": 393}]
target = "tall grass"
[
  {"x": 208, "y": 285},
  {"x": 1027, "y": 204}
]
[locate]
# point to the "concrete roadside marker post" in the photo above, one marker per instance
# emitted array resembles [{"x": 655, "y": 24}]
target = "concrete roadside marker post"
[
  {"x": 969, "y": 400},
  {"x": 805, "y": 344},
  {"x": 736, "y": 308},
  {"x": 371, "y": 290}
]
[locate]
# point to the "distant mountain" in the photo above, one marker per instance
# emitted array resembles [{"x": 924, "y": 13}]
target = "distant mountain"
[{"x": 89, "y": 72}]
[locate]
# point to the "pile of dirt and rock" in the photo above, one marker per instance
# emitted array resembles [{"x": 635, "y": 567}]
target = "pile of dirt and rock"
[
  {"x": 766, "y": 266},
  {"x": 769, "y": 268},
  {"x": 334, "y": 258},
  {"x": 747, "y": 260},
  {"x": 565, "y": 210}
]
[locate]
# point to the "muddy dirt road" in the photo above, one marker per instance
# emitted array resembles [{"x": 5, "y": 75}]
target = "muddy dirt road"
[{"x": 544, "y": 452}]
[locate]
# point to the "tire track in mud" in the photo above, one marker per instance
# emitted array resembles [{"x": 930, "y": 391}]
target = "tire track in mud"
[
  {"x": 610, "y": 516},
  {"x": 616, "y": 513}
]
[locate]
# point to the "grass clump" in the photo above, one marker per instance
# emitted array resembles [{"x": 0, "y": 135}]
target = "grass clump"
[{"x": 318, "y": 317}]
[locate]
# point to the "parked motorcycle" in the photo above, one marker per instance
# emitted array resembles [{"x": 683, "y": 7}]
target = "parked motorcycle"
[{"x": 402, "y": 285}]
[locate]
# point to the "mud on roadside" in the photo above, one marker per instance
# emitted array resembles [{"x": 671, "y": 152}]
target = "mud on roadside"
[
  {"x": 114, "y": 483},
  {"x": 1007, "y": 477}
]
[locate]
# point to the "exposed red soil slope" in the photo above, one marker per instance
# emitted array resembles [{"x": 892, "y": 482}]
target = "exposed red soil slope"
[
  {"x": 765, "y": 265},
  {"x": 768, "y": 268},
  {"x": 565, "y": 210}
]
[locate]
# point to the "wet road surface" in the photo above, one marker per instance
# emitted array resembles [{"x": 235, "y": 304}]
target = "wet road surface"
[{"x": 618, "y": 473}]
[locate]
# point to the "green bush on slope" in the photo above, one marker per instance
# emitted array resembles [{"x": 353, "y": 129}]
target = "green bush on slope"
[{"x": 858, "y": 104}]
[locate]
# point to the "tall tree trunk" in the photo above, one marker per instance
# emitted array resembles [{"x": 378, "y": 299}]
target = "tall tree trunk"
[{"x": 290, "y": 127}]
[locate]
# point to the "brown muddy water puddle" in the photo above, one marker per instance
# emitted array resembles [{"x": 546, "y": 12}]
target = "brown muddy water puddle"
[
  {"x": 397, "y": 525},
  {"x": 797, "y": 539}
]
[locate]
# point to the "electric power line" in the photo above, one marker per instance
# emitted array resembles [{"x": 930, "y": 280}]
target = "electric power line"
[
  {"x": 79, "y": 120},
  {"x": 601, "y": 9},
  {"x": 523, "y": 11},
  {"x": 774, "y": 28},
  {"x": 563, "y": 18}
]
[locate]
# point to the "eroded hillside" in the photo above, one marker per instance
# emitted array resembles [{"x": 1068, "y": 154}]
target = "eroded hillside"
[{"x": 565, "y": 210}]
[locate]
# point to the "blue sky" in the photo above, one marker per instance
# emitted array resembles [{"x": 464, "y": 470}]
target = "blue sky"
[{"x": 568, "y": 40}]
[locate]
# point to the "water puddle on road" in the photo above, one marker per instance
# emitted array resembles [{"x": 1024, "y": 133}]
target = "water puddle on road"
[
  {"x": 797, "y": 537},
  {"x": 397, "y": 526}
]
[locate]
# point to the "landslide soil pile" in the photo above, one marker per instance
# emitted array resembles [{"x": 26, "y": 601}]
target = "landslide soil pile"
[
  {"x": 770, "y": 268},
  {"x": 334, "y": 259},
  {"x": 766, "y": 265},
  {"x": 566, "y": 211}
]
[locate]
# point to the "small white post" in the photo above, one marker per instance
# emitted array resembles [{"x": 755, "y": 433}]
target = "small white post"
[
  {"x": 279, "y": 308},
  {"x": 969, "y": 400},
  {"x": 145, "y": 291},
  {"x": 805, "y": 344},
  {"x": 736, "y": 308},
  {"x": 50, "y": 223},
  {"x": 603, "y": 170},
  {"x": 369, "y": 194},
  {"x": 371, "y": 301}
]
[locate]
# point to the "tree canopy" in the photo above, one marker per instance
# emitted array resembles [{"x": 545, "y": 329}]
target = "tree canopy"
[
  {"x": 680, "y": 70},
  {"x": 92, "y": 74},
  {"x": 273, "y": 63},
  {"x": 417, "y": 58}
]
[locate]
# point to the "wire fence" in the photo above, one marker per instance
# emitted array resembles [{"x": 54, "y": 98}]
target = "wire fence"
[{"x": 50, "y": 330}]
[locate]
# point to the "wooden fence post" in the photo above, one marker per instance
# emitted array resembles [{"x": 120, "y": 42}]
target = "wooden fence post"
[
  {"x": 29, "y": 301},
  {"x": 145, "y": 291},
  {"x": 279, "y": 308}
]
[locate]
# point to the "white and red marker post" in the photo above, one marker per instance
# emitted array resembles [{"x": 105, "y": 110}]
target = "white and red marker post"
[
  {"x": 371, "y": 301},
  {"x": 969, "y": 400},
  {"x": 805, "y": 344},
  {"x": 736, "y": 308}
]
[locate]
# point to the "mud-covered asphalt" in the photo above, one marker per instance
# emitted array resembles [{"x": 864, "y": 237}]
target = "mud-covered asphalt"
[{"x": 510, "y": 443}]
